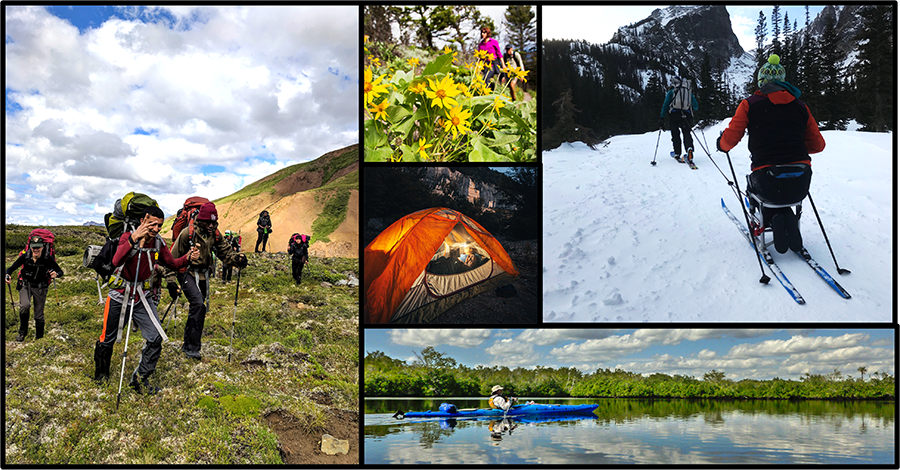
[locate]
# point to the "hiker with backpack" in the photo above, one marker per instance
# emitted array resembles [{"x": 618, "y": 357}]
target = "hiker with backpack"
[
  {"x": 235, "y": 242},
  {"x": 680, "y": 105},
  {"x": 263, "y": 228},
  {"x": 782, "y": 133},
  {"x": 134, "y": 292},
  {"x": 512, "y": 59},
  {"x": 298, "y": 248},
  {"x": 203, "y": 235},
  {"x": 39, "y": 268}
]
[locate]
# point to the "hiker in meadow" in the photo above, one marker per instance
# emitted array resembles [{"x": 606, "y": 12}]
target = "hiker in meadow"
[
  {"x": 491, "y": 46},
  {"x": 263, "y": 228},
  {"x": 38, "y": 269},
  {"x": 680, "y": 105},
  {"x": 512, "y": 58},
  {"x": 782, "y": 133},
  {"x": 298, "y": 248},
  {"x": 201, "y": 234},
  {"x": 141, "y": 252},
  {"x": 235, "y": 242}
]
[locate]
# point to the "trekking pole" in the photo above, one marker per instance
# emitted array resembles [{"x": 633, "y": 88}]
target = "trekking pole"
[
  {"x": 11, "y": 298},
  {"x": 128, "y": 329},
  {"x": 169, "y": 308},
  {"x": 657, "y": 147},
  {"x": 764, "y": 279},
  {"x": 234, "y": 314},
  {"x": 839, "y": 269}
]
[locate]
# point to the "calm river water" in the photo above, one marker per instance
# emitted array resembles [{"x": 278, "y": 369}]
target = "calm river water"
[{"x": 639, "y": 432}]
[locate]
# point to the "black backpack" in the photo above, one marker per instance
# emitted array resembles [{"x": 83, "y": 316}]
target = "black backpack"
[{"x": 126, "y": 216}]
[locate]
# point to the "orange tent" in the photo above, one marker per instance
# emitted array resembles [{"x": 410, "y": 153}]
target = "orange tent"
[{"x": 427, "y": 262}]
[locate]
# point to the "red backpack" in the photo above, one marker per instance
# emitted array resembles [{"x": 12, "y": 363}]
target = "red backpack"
[
  {"x": 186, "y": 215},
  {"x": 49, "y": 248}
]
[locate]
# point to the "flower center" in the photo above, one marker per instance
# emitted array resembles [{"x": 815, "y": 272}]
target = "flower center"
[
  {"x": 455, "y": 121},
  {"x": 441, "y": 94},
  {"x": 368, "y": 87}
]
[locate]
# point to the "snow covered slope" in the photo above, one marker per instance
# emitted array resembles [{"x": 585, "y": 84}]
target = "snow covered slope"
[{"x": 629, "y": 242}]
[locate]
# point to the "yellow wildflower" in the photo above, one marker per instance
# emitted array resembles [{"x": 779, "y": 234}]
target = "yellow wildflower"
[
  {"x": 418, "y": 88},
  {"x": 498, "y": 103},
  {"x": 422, "y": 148},
  {"x": 457, "y": 120},
  {"x": 371, "y": 87},
  {"x": 442, "y": 92},
  {"x": 378, "y": 110},
  {"x": 519, "y": 73},
  {"x": 365, "y": 38},
  {"x": 413, "y": 62},
  {"x": 376, "y": 61}
]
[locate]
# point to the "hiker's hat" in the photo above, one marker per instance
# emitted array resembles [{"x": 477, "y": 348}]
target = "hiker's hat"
[
  {"x": 509, "y": 46},
  {"x": 771, "y": 71},
  {"x": 36, "y": 242},
  {"x": 495, "y": 389},
  {"x": 208, "y": 212}
]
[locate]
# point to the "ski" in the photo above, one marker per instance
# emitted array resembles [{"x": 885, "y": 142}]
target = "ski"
[
  {"x": 691, "y": 164},
  {"x": 767, "y": 258},
  {"x": 822, "y": 273},
  {"x": 804, "y": 254},
  {"x": 676, "y": 157}
]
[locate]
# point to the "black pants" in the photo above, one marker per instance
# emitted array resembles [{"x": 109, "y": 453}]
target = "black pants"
[
  {"x": 682, "y": 124},
  {"x": 227, "y": 270},
  {"x": 262, "y": 238},
  {"x": 780, "y": 185},
  {"x": 492, "y": 69},
  {"x": 153, "y": 341},
  {"x": 195, "y": 294},
  {"x": 297, "y": 268},
  {"x": 39, "y": 295}
]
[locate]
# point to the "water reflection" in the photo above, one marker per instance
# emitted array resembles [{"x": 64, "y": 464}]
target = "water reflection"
[{"x": 648, "y": 432}]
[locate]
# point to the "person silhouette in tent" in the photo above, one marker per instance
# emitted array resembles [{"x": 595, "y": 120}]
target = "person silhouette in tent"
[
  {"x": 680, "y": 105},
  {"x": 783, "y": 133}
]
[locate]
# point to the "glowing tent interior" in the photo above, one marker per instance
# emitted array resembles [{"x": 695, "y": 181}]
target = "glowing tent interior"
[{"x": 428, "y": 261}]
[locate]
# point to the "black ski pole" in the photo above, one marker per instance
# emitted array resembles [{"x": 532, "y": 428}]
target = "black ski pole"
[
  {"x": 839, "y": 269},
  {"x": 234, "y": 314},
  {"x": 764, "y": 279},
  {"x": 657, "y": 147},
  {"x": 11, "y": 298},
  {"x": 170, "y": 307},
  {"x": 128, "y": 329}
]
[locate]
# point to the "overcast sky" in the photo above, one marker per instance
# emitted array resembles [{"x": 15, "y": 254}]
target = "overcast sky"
[
  {"x": 755, "y": 354},
  {"x": 169, "y": 101},
  {"x": 597, "y": 24}
]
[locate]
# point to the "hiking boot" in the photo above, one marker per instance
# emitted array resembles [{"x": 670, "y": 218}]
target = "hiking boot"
[
  {"x": 143, "y": 386},
  {"x": 792, "y": 227},
  {"x": 193, "y": 355},
  {"x": 779, "y": 236},
  {"x": 690, "y": 155},
  {"x": 21, "y": 337},
  {"x": 677, "y": 157}
]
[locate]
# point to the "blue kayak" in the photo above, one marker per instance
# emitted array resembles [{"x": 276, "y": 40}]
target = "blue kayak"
[{"x": 518, "y": 410}]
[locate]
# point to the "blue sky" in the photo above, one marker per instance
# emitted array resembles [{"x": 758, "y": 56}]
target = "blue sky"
[
  {"x": 172, "y": 101},
  {"x": 744, "y": 353},
  {"x": 597, "y": 24}
]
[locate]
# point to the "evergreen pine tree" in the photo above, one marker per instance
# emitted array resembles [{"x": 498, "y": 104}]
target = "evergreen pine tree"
[
  {"x": 874, "y": 69},
  {"x": 776, "y": 19},
  {"x": 521, "y": 29},
  {"x": 832, "y": 106},
  {"x": 760, "y": 56}
]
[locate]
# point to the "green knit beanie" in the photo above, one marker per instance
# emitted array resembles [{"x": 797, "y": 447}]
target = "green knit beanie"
[{"x": 771, "y": 71}]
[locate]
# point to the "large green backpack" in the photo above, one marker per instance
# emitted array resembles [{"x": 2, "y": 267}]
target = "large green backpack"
[
  {"x": 126, "y": 216},
  {"x": 127, "y": 213}
]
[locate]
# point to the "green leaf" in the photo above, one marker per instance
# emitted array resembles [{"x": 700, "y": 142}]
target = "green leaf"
[
  {"x": 440, "y": 65},
  {"x": 402, "y": 78},
  {"x": 483, "y": 153},
  {"x": 515, "y": 117},
  {"x": 409, "y": 155},
  {"x": 404, "y": 127},
  {"x": 397, "y": 113},
  {"x": 374, "y": 137},
  {"x": 379, "y": 155},
  {"x": 503, "y": 139}
]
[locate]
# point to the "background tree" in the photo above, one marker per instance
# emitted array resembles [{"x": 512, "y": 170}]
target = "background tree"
[
  {"x": 378, "y": 21},
  {"x": 465, "y": 30},
  {"x": 875, "y": 72},
  {"x": 760, "y": 56},
  {"x": 832, "y": 104},
  {"x": 862, "y": 373},
  {"x": 776, "y": 31},
  {"x": 521, "y": 30}
]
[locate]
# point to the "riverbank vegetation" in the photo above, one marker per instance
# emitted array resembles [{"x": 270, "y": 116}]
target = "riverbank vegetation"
[{"x": 437, "y": 375}]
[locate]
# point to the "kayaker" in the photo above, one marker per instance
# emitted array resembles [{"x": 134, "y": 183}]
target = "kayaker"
[{"x": 499, "y": 401}]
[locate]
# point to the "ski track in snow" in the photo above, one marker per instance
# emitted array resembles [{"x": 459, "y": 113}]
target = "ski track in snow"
[{"x": 625, "y": 241}]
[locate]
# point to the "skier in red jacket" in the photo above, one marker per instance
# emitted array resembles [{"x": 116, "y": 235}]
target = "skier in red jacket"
[{"x": 783, "y": 133}]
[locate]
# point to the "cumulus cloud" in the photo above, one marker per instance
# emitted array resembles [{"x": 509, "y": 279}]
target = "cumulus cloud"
[
  {"x": 153, "y": 95},
  {"x": 544, "y": 337},
  {"x": 797, "y": 345},
  {"x": 514, "y": 353},
  {"x": 465, "y": 338}
]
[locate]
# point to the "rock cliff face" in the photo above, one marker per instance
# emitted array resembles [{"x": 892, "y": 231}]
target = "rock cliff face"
[
  {"x": 453, "y": 183},
  {"x": 677, "y": 37}
]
